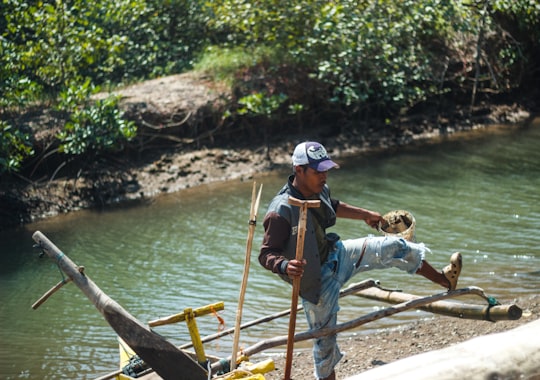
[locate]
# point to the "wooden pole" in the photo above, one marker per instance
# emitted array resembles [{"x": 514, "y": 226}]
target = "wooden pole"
[
  {"x": 304, "y": 205},
  {"x": 251, "y": 231},
  {"x": 50, "y": 292},
  {"x": 164, "y": 357},
  {"x": 485, "y": 312}
]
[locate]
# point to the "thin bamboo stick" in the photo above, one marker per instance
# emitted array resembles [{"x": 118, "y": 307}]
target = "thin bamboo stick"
[{"x": 251, "y": 232}]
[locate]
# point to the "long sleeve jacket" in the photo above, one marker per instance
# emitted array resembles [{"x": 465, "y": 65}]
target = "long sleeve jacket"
[{"x": 280, "y": 235}]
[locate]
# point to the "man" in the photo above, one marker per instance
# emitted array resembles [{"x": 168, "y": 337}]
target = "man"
[{"x": 329, "y": 262}]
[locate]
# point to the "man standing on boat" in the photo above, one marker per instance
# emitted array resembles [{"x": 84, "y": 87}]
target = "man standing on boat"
[{"x": 329, "y": 262}]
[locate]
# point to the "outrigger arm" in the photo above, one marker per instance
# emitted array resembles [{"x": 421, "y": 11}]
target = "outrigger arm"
[{"x": 165, "y": 358}]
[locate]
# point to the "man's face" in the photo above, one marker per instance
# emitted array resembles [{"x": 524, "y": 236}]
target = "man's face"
[{"x": 309, "y": 181}]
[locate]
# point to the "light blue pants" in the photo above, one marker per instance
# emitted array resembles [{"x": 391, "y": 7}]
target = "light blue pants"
[{"x": 349, "y": 258}]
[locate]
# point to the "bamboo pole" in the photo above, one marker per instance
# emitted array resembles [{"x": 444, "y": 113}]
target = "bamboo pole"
[
  {"x": 487, "y": 312},
  {"x": 251, "y": 231}
]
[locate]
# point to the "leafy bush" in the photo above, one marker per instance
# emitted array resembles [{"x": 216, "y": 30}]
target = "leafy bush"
[
  {"x": 15, "y": 147},
  {"x": 260, "y": 105},
  {"x": 383, "y": 55},
  {"x": 53, "y": 43},
  {"x": 94, "y": 127}
]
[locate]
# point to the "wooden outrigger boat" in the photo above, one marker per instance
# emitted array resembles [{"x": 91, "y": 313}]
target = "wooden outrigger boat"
[{"x": 146, "y": 354}]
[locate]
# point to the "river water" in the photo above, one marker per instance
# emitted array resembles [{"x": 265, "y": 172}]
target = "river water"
[{"x": 478, "y": 195}]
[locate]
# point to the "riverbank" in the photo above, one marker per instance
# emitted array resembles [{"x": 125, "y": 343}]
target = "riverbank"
[
  {"x": 117, "y": 181},
  {"x": 365, "y": 352}
]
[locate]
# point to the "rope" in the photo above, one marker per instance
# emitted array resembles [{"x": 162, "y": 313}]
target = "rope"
[
  {"x": 492, "y": 301},
  {"x": 221, "y": 325},
  {"x": 61, "y": 273},
  {"x": 236, "y": 371}
]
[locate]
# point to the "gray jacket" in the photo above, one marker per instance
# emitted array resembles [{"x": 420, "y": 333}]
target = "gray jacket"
[{"x": 275, "y": 257}]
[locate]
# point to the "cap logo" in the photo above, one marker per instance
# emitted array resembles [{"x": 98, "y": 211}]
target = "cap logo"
[{"x": 317, "y": 152}]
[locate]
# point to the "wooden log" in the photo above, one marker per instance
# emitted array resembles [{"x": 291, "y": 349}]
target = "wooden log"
[
  {"x": 513, "y": 354},
  {"x": 164, "y": 357},
  {"x": 485, "y": 312}
]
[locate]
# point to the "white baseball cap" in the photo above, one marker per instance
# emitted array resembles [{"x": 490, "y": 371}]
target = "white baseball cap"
[{"x": 314, "y": 155}]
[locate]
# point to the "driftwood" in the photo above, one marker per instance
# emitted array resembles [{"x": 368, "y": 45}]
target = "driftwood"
[
  {"x": 513, "y": 354},
  {"x": 486, "y": 312},
  {"x": 164, "y": 357}
]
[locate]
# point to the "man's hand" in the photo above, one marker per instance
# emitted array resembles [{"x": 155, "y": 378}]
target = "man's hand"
[
  {"x": 373, "y": 219},
  {"x": 295, "y": 267}
]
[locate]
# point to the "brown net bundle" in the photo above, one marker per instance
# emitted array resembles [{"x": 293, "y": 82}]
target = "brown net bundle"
[{"x": 399, "y": 223}]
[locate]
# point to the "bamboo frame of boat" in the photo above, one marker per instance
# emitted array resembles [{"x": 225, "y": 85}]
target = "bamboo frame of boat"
[{"x": 164, "y": 356}]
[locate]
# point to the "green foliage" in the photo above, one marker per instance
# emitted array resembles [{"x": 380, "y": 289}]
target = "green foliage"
[
  {"x": 223, "y": 63},
  {"x": 366, "y": 52},
  {"x": 16, "y": 89},
  {"x": 385, "y": 55},
  {"x": 525, "y": 12},
  {"x": 53, "y": 43},
  {"x": 280, "y": 23},
  {"x": 57, "y": 41},
  {"x": 520, "y": 22},
  {"x": 94, "y": 127},
  {"x": 259, "y": 104},
  {"x": 15, "y": 147}
]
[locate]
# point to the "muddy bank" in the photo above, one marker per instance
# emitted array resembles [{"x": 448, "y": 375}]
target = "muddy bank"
[{"x": 163, "y": 109}]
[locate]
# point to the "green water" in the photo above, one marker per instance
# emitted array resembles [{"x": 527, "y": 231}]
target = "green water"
[{"x": 479, "y": 196}]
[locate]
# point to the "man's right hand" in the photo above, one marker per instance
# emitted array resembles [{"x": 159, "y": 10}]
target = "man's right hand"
[{"x": 295, "y": 267}]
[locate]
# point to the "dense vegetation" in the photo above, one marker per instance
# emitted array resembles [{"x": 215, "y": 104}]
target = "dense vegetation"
[{"x": 283, "y": 59}]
